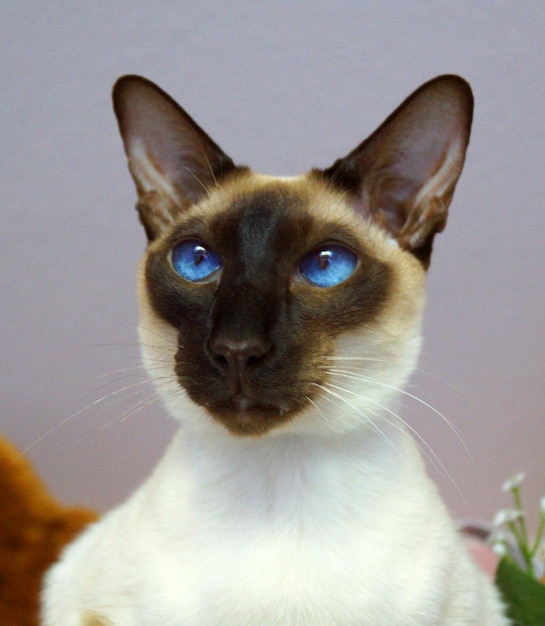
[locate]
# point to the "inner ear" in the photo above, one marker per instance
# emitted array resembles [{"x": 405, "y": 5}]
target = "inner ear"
[
  {"x": 403, "y": 176},
  {"x": 174, "y": 163}
]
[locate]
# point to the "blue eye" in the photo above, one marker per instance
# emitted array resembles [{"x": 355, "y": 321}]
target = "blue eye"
[
  {"x": 329, "y": 265},
  {"x": 194, "y": 261}
]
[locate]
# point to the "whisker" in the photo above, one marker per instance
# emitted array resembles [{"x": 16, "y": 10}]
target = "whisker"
[
  {"x": 434, "y": 457},
  {"x": 354, "y": 358},
  {"x": 133, "y": 410},
  {"x": 453, "y": 428},
  {"x": 311, "y": 401},
  {"x": 443, "y": 381},
  {"x": 105, "y": 398},
  {"x": 327, "y": 389},
  {"x": 151, "y": 331},
  {"x": 122, "y": 371}
]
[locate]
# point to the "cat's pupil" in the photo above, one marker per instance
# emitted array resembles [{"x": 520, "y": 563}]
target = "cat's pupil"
[
  {"x": 199, "y": 255},
  {"x": 324, "y": 259}
]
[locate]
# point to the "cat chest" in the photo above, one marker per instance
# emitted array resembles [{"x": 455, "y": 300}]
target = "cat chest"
[
  {"x": 290, "y": 577},
  {"x": 285, "y": 574}
]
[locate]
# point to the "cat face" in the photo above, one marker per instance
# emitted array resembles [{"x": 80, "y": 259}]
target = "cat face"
[{"x": 259, "y": 294}]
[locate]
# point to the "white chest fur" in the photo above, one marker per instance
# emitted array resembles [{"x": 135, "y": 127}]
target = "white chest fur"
[{"x": 288, "y": 531}]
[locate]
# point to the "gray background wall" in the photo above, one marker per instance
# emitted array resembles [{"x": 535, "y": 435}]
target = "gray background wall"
[{"x": 282, "y": 86}]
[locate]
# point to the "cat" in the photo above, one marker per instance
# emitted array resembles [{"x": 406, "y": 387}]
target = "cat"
[{"x": 280, "y": 318}]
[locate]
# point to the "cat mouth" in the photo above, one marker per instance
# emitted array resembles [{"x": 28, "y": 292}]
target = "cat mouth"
[{"x": 242, "y": 415}]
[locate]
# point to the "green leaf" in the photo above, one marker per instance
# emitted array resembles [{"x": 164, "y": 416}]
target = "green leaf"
[{"x": 523, "y": 595}]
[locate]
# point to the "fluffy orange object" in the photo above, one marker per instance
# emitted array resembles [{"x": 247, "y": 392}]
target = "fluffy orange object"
[{"x": 34, "y": 528}]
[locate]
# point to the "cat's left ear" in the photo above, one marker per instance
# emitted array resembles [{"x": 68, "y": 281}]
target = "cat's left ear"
[
  {"x": 403, "y": 176},
  {"x": 173, "y": 162}
]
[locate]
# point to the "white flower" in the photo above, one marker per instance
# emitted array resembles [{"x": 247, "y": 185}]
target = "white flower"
[
  {"x": 498, "y": 536},
  {"x": 499, "y": 548},
  {"x": 506, "y": 516},
  {"x": 542, "y": 506},
  {"x": 514, "y": 482}
]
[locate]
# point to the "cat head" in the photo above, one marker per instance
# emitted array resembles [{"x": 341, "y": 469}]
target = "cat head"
[{"x": 280, "y": 304}]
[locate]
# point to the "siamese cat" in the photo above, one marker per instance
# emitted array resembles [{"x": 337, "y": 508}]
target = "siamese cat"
[{"x": 280, "y": 318}]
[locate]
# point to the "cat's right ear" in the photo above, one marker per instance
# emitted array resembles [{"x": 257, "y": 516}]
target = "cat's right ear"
[
  {"x": 403, "y": 176},
  {"x": 173, "y": 162}
]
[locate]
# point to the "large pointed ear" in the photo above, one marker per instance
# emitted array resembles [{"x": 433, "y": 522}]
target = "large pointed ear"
[
  {"x": 173, "y": 162},
  {"x": 403, "y": 176}
]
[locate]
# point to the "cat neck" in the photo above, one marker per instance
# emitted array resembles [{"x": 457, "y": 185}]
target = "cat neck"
[{"x": 286, "y": 474}]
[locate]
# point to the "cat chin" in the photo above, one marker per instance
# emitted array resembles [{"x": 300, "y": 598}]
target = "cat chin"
[
  {"x": 251, "y": 421},
  {"x": 319, "y": 419}
]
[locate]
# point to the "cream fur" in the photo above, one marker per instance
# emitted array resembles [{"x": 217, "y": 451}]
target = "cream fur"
[{"x": 329, "y": 519}]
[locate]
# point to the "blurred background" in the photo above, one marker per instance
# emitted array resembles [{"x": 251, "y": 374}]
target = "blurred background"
[{"x": 282, "y": 86}]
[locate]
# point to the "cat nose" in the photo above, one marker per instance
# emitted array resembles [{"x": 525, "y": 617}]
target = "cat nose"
[{"x": 239, "y": 354}]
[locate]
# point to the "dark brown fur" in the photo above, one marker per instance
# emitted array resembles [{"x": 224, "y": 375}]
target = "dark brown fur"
[{"x": 261, "y": 237}]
